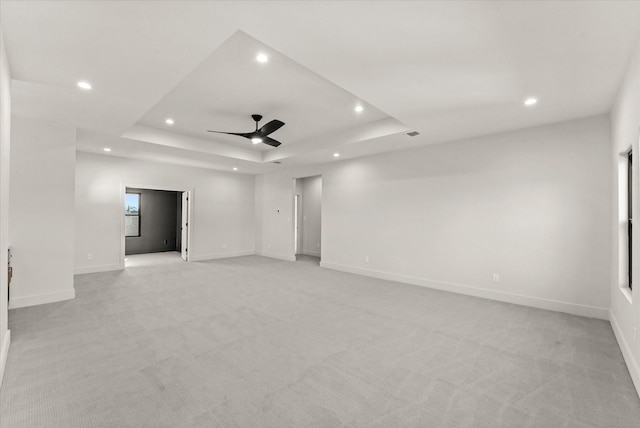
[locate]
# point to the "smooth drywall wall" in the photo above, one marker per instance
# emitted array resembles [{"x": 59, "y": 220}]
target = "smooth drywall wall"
[
  {"x": 157, "y": 222},
  {"x": 41, "y": 213},
  {"x": 222, "y": 208},
  {"x": 531, "y": 206},
  {"x": 311, "y": 193},
  {"x": 625, "y": 307},
  {"x": 5, "y": 137}
]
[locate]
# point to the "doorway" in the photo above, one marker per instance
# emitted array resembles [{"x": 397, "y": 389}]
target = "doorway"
[
  {"x": 307, "y": 215},
  {"x": 155, "y": 226}
]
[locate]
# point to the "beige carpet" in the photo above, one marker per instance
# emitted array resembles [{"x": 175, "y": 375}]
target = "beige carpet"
[{"x": 256, "y": 342}]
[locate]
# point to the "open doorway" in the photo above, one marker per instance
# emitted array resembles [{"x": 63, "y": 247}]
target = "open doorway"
[
  {"x": 155, "y": 227},
  {"x": 307, "y": 206}
]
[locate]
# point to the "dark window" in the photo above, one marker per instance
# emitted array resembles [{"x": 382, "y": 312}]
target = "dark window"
[
  {"x": 132, "y": 214},
  {"x": 629, "y": 213}
]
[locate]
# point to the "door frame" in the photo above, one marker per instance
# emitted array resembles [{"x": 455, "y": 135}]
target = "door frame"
[
  {"x": 297, "y": 224},
  {"x": 123, "y": 191},
  {"x": 293, "y": 213},
  {"x": 185, "y": 199}
]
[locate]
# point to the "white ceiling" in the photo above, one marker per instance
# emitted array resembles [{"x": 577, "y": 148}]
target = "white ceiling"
[{"x": 449, "y": 70}]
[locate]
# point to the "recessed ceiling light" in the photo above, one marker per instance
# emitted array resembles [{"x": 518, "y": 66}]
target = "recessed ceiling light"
[
  {"x": 262, "y": 58},
  {"x": 256, "y": 140},
  {"x": 235, "y": 168},
  {"x": 336, "y": 155},
  {"x": 359, "y": 108},
  {"x": 84, "y": 85},
  {"x": 107, "y": 149},
  {"x": 530, "y": 101},
  {"x": 169, "y": 121}
]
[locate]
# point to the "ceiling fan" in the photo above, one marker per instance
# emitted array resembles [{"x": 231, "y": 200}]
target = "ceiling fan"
[{"x": 259, "y": 135}]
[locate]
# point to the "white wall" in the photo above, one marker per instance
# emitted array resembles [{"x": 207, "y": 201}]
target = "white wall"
[
  {"x": 274, "y": 211},
  {"x": 41, "y": 214},
  {"x": 311, "y": 191},
  {"x": 5, "y": 136},
  {"x": 625, "y": 309},
  {"x": 532, "y": 206},
  {"x": 222, "y": 208}
]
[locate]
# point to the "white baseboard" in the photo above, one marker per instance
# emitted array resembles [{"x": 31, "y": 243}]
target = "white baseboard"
[
  {"x": 96, "y": 269},
  {"x": 551, "y": 305},
  {"x": 4, "y": 353},
  {"x": 220, "y": 256},
  {"x": 286, "y": 257},
  {"x": 41, "y": 299},
  {"x": 311, "y": 253},
  {"x": 632, "y": 364}
]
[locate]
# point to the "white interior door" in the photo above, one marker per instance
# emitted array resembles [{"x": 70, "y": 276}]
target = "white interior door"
[{"x": 185, "y": 226}]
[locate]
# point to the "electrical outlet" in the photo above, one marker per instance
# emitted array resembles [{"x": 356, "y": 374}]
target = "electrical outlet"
[
  {"x": 268, "y": 245},
  {"x": 366, "y": 259},
  {"x": 90, "y": 256},
  {"x": 496, "y": 277},
  {"x": 224, "y": 245}
]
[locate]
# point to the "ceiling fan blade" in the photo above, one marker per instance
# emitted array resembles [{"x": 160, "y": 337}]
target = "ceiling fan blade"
[
  {"x": 270, "y": 127},
  {"x": 240, "y": 134},
  {"x": 270, "y": 141}
]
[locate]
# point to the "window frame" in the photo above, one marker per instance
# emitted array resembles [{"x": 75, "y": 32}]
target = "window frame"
[{"x": 139, "y": 215}]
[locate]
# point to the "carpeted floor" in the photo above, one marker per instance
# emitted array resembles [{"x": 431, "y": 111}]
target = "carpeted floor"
[{"x": 257, "y": 342}]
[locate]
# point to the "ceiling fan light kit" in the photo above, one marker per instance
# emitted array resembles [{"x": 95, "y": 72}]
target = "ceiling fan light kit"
[{"x": 259, "y": 135}]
